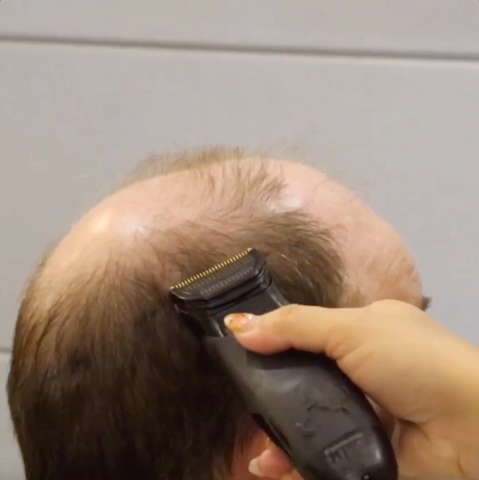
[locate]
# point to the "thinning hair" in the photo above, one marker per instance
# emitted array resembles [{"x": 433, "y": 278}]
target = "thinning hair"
[{"x": 106, "y": 383}]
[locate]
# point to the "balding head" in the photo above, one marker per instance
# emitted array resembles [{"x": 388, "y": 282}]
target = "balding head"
[{"x": 106, "y": 383}]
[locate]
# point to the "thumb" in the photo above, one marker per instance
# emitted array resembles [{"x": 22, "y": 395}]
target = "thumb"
[{"x": 335, "y": 332}]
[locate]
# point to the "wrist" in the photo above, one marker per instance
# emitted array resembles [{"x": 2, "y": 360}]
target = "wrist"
[
  {"x": 469, "y": 461},
  {"x": 470, "y": 458}
]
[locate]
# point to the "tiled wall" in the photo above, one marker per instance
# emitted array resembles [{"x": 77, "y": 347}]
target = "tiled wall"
[{"x": 384, "y": 95}]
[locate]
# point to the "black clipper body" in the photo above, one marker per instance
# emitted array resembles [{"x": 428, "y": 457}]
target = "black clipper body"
[{"x": 307, "y": 406}]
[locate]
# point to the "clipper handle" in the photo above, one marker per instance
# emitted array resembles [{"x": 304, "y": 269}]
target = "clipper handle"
[{"x": 311, "y": 410}]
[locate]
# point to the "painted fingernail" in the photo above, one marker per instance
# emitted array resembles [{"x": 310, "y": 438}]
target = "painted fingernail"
[
  {"x": 240, "y": 322},
  {"x": 254, "y": 468}
]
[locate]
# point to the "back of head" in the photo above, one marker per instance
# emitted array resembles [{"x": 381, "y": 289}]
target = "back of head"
[{"x": 106, "y": 383}]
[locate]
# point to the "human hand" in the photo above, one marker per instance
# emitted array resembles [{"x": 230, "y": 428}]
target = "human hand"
[{"x": 421, "y": 374}]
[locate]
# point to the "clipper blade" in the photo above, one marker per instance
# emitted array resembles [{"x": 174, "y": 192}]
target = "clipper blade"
[{"x": 219, "y": 286}]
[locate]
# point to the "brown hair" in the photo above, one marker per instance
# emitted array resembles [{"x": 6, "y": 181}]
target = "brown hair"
[{"x": 106, "y": 383}]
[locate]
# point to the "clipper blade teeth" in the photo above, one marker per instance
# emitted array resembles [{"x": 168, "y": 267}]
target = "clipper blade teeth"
[{"x": 211, "y": 270}]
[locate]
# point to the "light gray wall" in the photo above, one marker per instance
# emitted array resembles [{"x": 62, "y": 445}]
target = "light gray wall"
[{"x": 384, "y": 95}]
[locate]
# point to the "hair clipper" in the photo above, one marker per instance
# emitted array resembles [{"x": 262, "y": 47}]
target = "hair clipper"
[{"x": 303, "y": 402}]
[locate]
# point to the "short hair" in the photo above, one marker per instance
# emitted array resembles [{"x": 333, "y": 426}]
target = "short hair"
[{"x": 107, "y": 383}]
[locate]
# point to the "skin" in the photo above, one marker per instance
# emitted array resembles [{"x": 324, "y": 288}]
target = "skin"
[{"x": 378, "y": 264}]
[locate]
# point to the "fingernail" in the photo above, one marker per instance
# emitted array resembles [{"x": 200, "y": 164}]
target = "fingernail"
[
  {"x": 254, "y": 468},
  {"x": 240, "y": 322},
  {"x": 287, "y": 476}
]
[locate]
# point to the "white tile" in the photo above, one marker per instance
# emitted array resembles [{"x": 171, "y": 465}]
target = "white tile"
[
  {"x": 10, "y": 463},
  {"x": 432, "y": 26},
  {"x": 405, "y": 132}
]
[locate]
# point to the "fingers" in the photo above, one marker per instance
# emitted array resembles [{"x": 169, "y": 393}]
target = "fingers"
[
  {"x": 313, "y": 329},
  {"x": 387, "y": 420},
  {"x": 272, "y": 463},
  {"x": 420, "y": 456}
]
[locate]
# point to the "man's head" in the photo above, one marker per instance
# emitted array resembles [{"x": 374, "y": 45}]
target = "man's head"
[{"x": 107, "y": 383}]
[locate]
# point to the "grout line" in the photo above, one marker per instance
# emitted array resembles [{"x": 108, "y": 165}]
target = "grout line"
[{"x": 263, "y": 50}]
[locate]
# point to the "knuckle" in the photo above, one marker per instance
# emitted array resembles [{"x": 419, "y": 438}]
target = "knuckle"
[
  {"x": 385, "y": 307},
  {"x": 289, "y": 314}
]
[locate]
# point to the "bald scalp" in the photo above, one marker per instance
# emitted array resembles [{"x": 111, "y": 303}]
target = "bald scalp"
[{"x": 213, "y": 192}]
